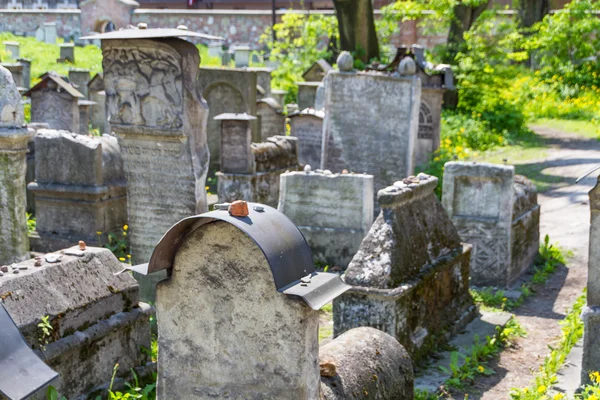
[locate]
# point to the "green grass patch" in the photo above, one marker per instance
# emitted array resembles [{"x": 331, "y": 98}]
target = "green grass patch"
[{"x": 588, "y": 129}]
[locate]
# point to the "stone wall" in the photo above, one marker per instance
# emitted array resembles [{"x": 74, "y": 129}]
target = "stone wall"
[{"x": 26, "y": 22}]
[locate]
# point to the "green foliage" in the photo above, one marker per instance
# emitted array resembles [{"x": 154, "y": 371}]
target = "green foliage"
[
  {"x": 549, "y": 257},
  {"x": 572, "y": 331},
  {"x": 43, "y": 56},
  {"x": 45, "y": 330},
  {"x": 52, "y": 394},
  {"x": 421, "y": 394},
  {"x": 31, "y": 223},
  {"x": 118, "y": 244},
  {"x": 134, "y": 391},
  {"x": 302, "y": 39}
]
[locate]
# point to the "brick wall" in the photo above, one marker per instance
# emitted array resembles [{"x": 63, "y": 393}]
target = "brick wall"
[{"x": 27, "y": 21}]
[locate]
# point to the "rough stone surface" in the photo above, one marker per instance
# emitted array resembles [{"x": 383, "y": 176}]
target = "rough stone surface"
[
  {"x": 16, "y": 70},
  {"x": 271, "y": 118},
  {"x": 268, "y": 160},
  {"x": 307, "y": 94},
  {"x": 345, "y": 62},
  {"x": 80, "y": 79},
  {"x": 52, "y": 104},
  {"x": 159, "y": 115},
  {"x": 236, "y": 141},
  {"x": 430, "y": 115},
  {"x": 221, "y": 290},
  {"x": 410, "y": 276},
  {"x": 96, "y": 319},
  {"x": 227, "y": 90},
  {"x": 98, "y": 112},
  {"x": 369, "y": 364},
  {"x": 79, "y": 189},
  {"x": 333, "y": 211},
  {"x": 307, "y": 126},
  {"x": 14, "y": 244},
  {"x": 498, "y": 214},
  {"x": 370, "y": 126}
]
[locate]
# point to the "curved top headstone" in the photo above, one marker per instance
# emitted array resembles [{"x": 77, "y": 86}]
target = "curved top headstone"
[{"x": 11, "y": 110}]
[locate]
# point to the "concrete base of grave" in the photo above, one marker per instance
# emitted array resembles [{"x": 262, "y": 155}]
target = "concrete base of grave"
[
  {"x": 262, "y": 187},
  {"x": 86, "y": 359},
  {"x": 421, "y": 313},
  {"x": 525, "y": 238}
]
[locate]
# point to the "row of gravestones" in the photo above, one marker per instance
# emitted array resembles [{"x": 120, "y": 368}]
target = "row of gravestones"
[{"x": 388, "y": 275}]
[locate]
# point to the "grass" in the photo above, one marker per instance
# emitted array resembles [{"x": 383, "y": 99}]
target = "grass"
[{"x": 586, "y": 129}]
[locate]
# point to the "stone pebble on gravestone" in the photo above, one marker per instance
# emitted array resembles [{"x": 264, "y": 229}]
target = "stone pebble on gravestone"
[
  {"x": 14, "y": 243},
  {"x": 307, "y": 126},
  {"x": 165, "y": 132},
  {"x": 345, "y": 212},
  {"x": 55, "y": 102},
  {"x": 371, "y": 122},
  {"x": 80, "y": 189},
  {"x": 497, "y": 212},
  {"x": 94, "y": 311},
  {"x": 271, "y": 119},
  {"x": 410, "y": 276},
  {"x": 237, "y": 270}
]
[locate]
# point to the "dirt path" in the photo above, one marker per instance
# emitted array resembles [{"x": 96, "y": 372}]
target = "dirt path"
[{"x": 565, "y": 217}]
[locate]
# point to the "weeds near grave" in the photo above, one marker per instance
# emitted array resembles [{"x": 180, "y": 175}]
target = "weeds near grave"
[
  {"x": 134, "y": 391},
  {"x": 591, "y": 391},
  {"x": 45, "y": 331},
  {"x": 31, "y": 223},
  {"x": 421, "y": 394},
  {"x": 475, "y": 363},
  {"x": 549, "y": 258},
  {"x": 52, "y": 394},
  {"x": 118, "y": 244},
  {"x": 572, "y": 331}
]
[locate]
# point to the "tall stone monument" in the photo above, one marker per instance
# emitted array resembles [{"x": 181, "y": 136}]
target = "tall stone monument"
[
  {"x": 159, "y": 116},
  {"x": 14, "y": 244}
]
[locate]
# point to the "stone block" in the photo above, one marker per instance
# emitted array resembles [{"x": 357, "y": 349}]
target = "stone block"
[
  {"x": 333, "y": 211},
  {"x": 26, "y": 63},
  {"x": 67, "y": 52},
  {"x": 85, "y": 111},
  {"x": 13, "y": 48},
  {"x": 79, "y": 189},
  {"x": 497, "y": 212},
  {"x": 307, "y": 94},
  {"x": 271, "y": 119},
  {"x": 50, "y": 32},
  {"x": 16, "y": 70},
  {"x": 241, "y": 56},
  {"x": 80, "y": 78},
  {"x": 410, "y": 276},
  {"x": 307, "y": 126},
  {"x": 95, "y": 314},
  {"x": 227, "y": 90},
  {"x": 236, "y": 140},
  {"x": 261, "y": 183},
  {"x": 371, "y": 123},
  {"x": 349, "y": 364}
]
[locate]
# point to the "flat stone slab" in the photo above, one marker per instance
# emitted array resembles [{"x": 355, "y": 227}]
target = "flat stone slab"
[
  {"x": 569, "y": 375},
  {"x": 483, "y": 325}
]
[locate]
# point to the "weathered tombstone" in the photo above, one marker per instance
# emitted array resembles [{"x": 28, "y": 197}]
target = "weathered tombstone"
[
  {"x": 307, "y": 126},
  {"x": 227, "y": 90},
  {"x": 247, "y": 283},
  {"x": 307, "y": 94},
  {"x": 410, "y": 276},
  {"x": 30, "y": 177},
  {"x": 333, "y": 211},
  {"x": 26, "y": 63},
  {"x": 241, "y": 56},
  {"x": 496, "y": 212},
  {"x": 263, "y": 79},
  {"x": 156, "y": 110},
  {"x": 591, "y": 313},
  {"x": 80, "y": 78},
  {"x": 16, "y": 70},
  {"x": 320, "y": 97},
  {"x": 215, "y": 49},
  {"x": 14, "y": 244},
  {"x": 317, "y": 71},
  {"x": 40, "y": 34},
  {"x": 225, "y": 58},
  {"x": 13, "y": 48},
  {"x": 67, "y": 53},
  {"x": 85, "y": 111},
  {"x": 97, "y": 94},
  {"x": 250, "y": 171},
  {"x": 95, "y": 314},
  {"x": 371, "y": 122},
  {"x": 79, "y": 189},
  {"x": 54, "y": 101},
  {"x": 50, "y": 32},
  {"x": 278, "y": 95},
  {"x": 271, "y": 119}
]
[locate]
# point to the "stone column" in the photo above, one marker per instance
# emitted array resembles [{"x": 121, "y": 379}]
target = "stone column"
[
  {"x": 26, "y": 63},
  {"x": 160, "y": 118},
  {"x": 14, "y": 243},
  {"x": 591, "y": 313}
]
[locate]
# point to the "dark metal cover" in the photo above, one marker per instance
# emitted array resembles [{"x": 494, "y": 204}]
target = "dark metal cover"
[
  {"x": 22, "y": 373},
  {"x": 282, "y": 243},
  {"x": 157, "y": 33}
]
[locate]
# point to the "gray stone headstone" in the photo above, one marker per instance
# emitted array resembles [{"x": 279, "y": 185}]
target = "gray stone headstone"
[
  {"x": 67, "y": 52},
  {"x": 320, "y": 97},
  {"x": 271, "y": 118},
  {"x": 307, "y": 126},
  {"x": 236, "y": 138},
  {"x": 307, "y": 94},
  {"x": 85, "y": 112},
  {"x": 278, "y": 95},
  {"x": 26, "y": 63},
  {"x": 13, "y": 48},
  {"x": 80, "y": 78},
  {"x": 430, "y": 115},
  {"x": 215, "y": 49},
  {"x": 410, "y": 276},
  {"x": 14, "y": 243},
  {"x": 53, "y": 104},
  {"x": 263, "y": 79},
  {"x": 371, "y": 123},
  {"x": 17, "y": 73},
  {"x": 242, "y": 56},
  {"x": 225, "y": 331},
  {"x": 40, "y": 34},
  {"x": 333, "y": 211},
  {"x": 496, "y": 212},
  {"x": 160, "y": 117},
  {"x": 50, "y": 32}
]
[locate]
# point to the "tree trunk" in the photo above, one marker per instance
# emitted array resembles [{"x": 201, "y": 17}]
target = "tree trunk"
[
  {"x": 356, "y": 24},
  {"x": 532, "y": 11},
  {"x": 464, "y": 18}
]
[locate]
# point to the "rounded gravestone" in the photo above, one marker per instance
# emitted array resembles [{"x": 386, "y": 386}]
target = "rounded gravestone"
[
  {"x": 345, "y": 61},
  {"x": 11, "y": 110},
  {"x": 407, "y": 66}
]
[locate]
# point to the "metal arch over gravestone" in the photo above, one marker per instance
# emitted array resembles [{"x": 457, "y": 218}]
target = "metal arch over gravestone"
[
  {"x": 247, "y": 277},
  {"x": 160, "y": 117}
]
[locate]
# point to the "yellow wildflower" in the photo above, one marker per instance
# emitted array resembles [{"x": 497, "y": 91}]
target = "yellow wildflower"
[
  {"x": 124, "y": 233},
  {"x": 98, "y": 233},
  {"x": 595, "y": 376},
  {"x": 128, "y": 255},
  {"x": 542, "y": 389},
  {"x": 122, "y": 259},
  {"x": 125, "y": 227},
  {"x": 558, "y": 396},
  {"x": 593, "y": 397},
  {"x": 480, "y": 369}
]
